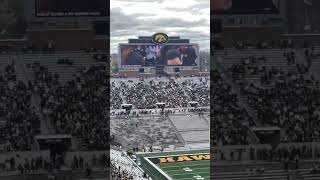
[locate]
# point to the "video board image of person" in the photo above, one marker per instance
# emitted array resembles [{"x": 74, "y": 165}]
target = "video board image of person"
[
  {"x": 189, "y": 55},
  {"x": 152, "y": 55},
  {"x": 173, "y": 57},
  {"x": 132, "y": 55},
  {"x": 180, "y": 55},
  {"x": 139, "y": 55},
  {"x": 245, "y": 6}
]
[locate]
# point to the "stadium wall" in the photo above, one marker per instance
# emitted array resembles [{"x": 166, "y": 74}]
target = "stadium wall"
[
  {"x": 151, "y": 170},
  {"x": 134, "y": 73},
  {"x": 22, "y": 155},
  {"x": 313, "y": 38},
  {"x": 246, "y": 150},
  {"x": 65, "y": 39},
  {"x": 13, "y": 44},
  {"x": 256, "y": 34},
  {"x": 30, "y": 15},
  {"x": 250, "y": 34}
]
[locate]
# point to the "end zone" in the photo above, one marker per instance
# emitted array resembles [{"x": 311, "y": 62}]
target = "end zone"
[{"x": 177, "y": 165}]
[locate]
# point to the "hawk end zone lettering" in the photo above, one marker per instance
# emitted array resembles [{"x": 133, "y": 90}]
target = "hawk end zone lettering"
[{"x": 173, "y": 159}]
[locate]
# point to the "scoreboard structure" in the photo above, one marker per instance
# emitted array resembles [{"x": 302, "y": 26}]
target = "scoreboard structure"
[{"x": 151, "y": 55}]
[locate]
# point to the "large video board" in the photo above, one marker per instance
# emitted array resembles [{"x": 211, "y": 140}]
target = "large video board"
[
  {"x": 71, "y": 8},
  {"x": 245, "y": 6},
  {"x": 152, "y": 55}
]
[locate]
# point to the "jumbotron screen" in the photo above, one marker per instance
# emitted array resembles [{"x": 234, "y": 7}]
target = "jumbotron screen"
[
  {"x": 70, "y": 8},
  {"x": 245, "y": 6},
  {"x": 152, "y": 55}
]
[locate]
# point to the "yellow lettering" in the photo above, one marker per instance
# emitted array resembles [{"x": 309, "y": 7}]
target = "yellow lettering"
[
  {"x": 201, "y": 157},
  {"x": 184, "y": 158},
  {"x": 167, "y": 160}
]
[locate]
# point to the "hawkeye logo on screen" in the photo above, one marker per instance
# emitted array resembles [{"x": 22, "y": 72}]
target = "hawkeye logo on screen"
[
  {"x": 160, "y": 38},
  {"x": 184, "y": 158}
]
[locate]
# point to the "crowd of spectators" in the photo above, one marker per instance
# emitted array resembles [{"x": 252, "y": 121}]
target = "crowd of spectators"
[
  {"x": 147, "y": 94},
  {"x": 290, "y": 101},
  {"x": 121, "y": 168},
  {"x": 290, "y": 104},
  {"x": 283, "y": 44},
  {"x": 65, "y": 61},
  {"x": 285, "y": 96},
  {"x": 198, "y": 90},
  {"x": 250, "y": 65},
  {"x": 18, "y": 120},
  {"x": 45, "y": 163},
  {"x": 229, "y": 122},
  {"x": 96, "y": 161},
  {"x": 175, "y": 92},
  {"x": 117, "y": 173},
  {"x": 26, "y": 165},
  {"x": 79, "y": 106},
  {"x": 115, "y": 95}
]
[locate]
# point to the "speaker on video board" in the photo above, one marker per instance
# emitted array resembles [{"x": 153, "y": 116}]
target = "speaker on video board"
[
  {"x": 176, "y": 69},
  {"x": 141, "y": 70}
]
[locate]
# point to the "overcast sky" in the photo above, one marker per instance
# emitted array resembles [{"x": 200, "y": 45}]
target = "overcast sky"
[{"x": 189, "y": 19}]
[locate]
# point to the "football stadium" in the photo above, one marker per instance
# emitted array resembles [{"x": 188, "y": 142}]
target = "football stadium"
[
  {"x": 67, "y": 112},
  {"x": 159, "y": 111},
  {"x": 160, "y": 125},
  {"x": 159, "y": 106}
]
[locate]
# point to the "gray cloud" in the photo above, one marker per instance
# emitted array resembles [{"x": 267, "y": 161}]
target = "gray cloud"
[{"x": 130, "y": 25}]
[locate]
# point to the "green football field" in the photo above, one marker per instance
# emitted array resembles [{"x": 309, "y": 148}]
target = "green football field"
[
  {"x": 177, "y": 165},
  {"x": 193, "y": 170}
]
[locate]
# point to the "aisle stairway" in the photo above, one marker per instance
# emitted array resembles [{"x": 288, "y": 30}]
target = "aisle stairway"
[{"x": 66, "y": 72}]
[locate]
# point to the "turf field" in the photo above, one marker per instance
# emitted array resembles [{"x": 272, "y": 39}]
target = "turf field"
[
  {"x": 177, "y": 165},
  {"x": 196, "y": 170}
]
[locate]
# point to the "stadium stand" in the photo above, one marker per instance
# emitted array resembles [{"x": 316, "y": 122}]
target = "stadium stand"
[
  {"x": 28, "y": 97},
  {"x": 123, "y": 167},
  {"x": 66, "y": 65},
  {"x": 279, "y": 87},
  {"x": 66, "y": 93},
  {"x": 309, "y": 174},
  {"x": 147, "y": 128},
  {"x": 264, "y": 77}
]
